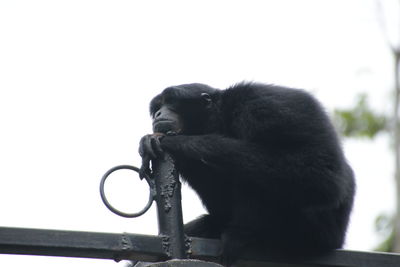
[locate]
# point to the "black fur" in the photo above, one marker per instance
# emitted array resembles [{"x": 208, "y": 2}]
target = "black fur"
[{"x": 266, "y": 163}]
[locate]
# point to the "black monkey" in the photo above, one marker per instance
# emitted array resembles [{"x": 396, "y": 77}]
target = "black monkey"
[{"x": 265, "y": 161}]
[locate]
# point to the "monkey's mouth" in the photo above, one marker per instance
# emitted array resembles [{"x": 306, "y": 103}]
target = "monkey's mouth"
[
  {"x": 164, "y": 126},
  {"x": 161, "y": 120}
]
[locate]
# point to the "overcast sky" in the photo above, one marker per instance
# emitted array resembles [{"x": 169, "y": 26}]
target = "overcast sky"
[{"x": 76, "y": 78}]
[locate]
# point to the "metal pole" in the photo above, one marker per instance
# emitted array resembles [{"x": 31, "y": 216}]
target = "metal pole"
[{"x": 169, "y": 209}]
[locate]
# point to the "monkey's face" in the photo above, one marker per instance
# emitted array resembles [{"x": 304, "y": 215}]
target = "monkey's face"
[{"x": 167, "y": 120}]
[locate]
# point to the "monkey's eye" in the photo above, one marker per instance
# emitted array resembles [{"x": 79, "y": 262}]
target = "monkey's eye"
[
  {"x": 172, "y": 108},
  {"x": 154, "y": 113}
]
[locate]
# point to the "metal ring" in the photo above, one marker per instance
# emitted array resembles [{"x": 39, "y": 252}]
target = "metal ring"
[{"x": 116, "y": 211}]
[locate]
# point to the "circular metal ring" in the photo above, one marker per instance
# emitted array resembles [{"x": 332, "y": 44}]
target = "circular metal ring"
[{"x": 116, "y": 211}]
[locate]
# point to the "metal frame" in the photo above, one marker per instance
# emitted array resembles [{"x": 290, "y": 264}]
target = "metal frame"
[
  {"x": 138, "y": 247},
  {"x": 25, "y": 241},
  {"x": 171, "y": 243}
]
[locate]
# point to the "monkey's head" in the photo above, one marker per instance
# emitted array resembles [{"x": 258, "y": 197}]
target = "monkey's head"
[{"x": 183, "y": 109}]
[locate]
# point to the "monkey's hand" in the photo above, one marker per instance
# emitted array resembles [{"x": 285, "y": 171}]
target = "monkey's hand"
[{"x": 149, "y": 148}]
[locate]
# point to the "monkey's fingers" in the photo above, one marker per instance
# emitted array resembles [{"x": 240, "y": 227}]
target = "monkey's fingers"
[
  {"x": 156, "y": 146},
  {"x": 146, "y": 148},
  {"x": 171, "y": 133},
  {"x": 145, "y": 168},
  {"x": 142, "y": 146}
]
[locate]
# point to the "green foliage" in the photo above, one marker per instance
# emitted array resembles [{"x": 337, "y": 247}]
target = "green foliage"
[
  {"x": 384, "y": 223},
  {"x": 384, "y": 226},
  {"x": 359, "y": 121},
  {"x": 387, "y": 244}
]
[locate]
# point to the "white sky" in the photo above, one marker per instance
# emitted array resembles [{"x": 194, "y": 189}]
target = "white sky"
[{"x": 76, "y": 78}]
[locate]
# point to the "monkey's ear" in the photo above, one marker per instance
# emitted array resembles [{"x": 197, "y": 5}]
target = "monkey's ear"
[{"x": 206, "y": 99}]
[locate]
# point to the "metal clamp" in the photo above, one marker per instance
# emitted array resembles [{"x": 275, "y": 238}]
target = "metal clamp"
[{"x": 152, "y": 193}]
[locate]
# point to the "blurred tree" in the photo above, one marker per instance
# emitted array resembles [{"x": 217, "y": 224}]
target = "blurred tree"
[
  {"x": 385, "y": 227},
  {"x": 394, "y": 45},
  {"x": 396, "y": 136},
  {"x": 361, "y": 121}
]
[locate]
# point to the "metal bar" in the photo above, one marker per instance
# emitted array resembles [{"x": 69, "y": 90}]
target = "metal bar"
[
  {"x": 358, "y": 258},
  {"x": 169, "y": 209},
  {"x": 80, "y": 244},
  {"x": 337, "y": 258},
  {"x": 117, "y": 247},
  {"x": 26, "y": 241}
]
